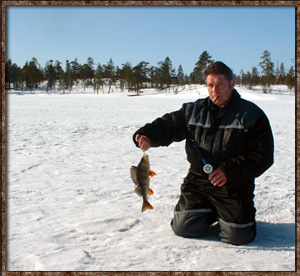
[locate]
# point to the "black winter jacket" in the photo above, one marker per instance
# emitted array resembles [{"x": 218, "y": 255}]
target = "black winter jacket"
[{"x": 238, "y": 138}]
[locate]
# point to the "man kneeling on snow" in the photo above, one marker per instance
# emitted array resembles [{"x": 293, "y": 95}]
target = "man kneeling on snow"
[{"x": 229, "y": 143}]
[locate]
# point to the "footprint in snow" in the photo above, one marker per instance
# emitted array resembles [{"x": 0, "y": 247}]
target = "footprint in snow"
[{"x": 129, "y": 227}]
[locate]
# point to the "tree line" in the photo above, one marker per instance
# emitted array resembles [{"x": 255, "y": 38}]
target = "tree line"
[{"x": 134, "y": 78}]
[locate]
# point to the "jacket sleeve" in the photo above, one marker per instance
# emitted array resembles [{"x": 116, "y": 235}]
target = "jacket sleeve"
[
  {"x": 258, "y": 156},
  {"x": 164, "y": 130}
]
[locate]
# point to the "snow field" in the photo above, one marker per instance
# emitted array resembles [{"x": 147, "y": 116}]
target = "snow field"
[{"x": 70, "y": 204}]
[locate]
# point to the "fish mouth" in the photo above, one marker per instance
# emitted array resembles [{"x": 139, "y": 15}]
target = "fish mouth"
[{"x": 145, "y": 157}]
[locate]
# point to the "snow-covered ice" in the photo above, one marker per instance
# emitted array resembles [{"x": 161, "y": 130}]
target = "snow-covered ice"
[{"x": 70, "y": 204}]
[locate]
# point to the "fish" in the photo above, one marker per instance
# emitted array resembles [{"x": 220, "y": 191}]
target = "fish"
[{"x": 141, "y": 175}]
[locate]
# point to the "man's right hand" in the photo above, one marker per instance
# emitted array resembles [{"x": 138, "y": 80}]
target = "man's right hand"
[{"x": 144, "y": 142}]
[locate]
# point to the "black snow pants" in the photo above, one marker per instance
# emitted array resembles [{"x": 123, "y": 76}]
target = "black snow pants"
[{"x": 201, "y": 204}]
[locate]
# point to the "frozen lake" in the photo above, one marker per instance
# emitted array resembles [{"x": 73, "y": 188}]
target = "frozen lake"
[{"x": 70, "y": 204}]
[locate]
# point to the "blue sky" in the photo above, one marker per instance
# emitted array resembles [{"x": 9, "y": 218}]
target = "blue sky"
[{"x": 233, "y": 34}]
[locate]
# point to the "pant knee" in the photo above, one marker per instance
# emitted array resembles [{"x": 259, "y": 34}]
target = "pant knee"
[
  {"x": 237, "y": 234},
  {"x": 190, "y": 223}
]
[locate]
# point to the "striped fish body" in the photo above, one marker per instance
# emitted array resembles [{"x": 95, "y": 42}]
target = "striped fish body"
[{"x": 141, "y": 177}]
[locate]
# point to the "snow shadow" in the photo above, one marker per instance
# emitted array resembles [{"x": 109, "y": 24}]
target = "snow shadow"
[{"x": 276, "y": 236}]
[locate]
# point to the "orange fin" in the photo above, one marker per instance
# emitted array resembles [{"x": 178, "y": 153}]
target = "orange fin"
[
  {"x": 150, "y": 192},
  {"x": 146, "y": 205},
  {"x": 138, "y": 190},
  {"x": 152, "y": 174}
]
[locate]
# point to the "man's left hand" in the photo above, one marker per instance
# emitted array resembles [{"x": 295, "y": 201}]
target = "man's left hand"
[{"x": 218, "y": 177}]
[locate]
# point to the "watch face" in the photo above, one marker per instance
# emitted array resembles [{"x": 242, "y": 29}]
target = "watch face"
[{"x": 208, "y": 168}]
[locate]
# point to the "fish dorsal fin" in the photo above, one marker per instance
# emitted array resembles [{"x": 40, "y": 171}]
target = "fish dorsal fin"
[
  {"x": 138, "y": 191},
  {"x": 133, "y": 173},
  {"x": 150, "y": 192},
  {"x": 152, "y": 174}
]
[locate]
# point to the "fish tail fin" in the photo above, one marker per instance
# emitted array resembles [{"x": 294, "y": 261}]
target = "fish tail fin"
[{"x": 146, "y": 205}]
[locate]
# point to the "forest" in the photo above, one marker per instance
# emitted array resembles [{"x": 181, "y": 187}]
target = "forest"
[{"x": 54, "y": 78}]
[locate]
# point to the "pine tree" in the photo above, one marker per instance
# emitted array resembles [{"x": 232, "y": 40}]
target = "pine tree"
[
  {"x": 277, "y": 74},
  {"x": 156, "y": 76},
  {"x": 118, "y": 76},
  {"x": 126, "y": 75},
  {"x": 267, "y": 70},
  {"x": 8, "y": 74},
  {"x": 187, "y": 79},
  {"x": 290, "y": 78},
  {"x": 140, "y": 75},
  {"x": 152, "y": 70},
  {"x": 59, "y": 74},
  {"x": 68, "y": 80},
  {"x": 87, "y": 73},
  {"x": 173, "y": 76},
  {"x": 248, "y": 80},
  {"x": 242, "y": 77},
  {"x": 255, "y": 76},
  {"x": 98, "y": 78},
  {"x": 75, "y": 71},
  {"x": 50, "y": 75},
  {"x": 237, "y": 79},
  {"x": 166, "y": 72},
  {"x": 33, "y": 74},
  {"x": 90, "y": 70},
  {"x": 109, "y": 73},
  {"x": 13, "y": 75},
  {"x": 197, "y": 75},
  {"x": 180, "y": 75},
  {"x": 282, "y": 74}
]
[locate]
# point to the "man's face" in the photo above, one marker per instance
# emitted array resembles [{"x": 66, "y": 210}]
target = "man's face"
[{"x": 219, "y": 89}]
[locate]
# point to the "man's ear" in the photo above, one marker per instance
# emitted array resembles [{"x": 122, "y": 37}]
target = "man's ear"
[{"x": 232, "y": 84}]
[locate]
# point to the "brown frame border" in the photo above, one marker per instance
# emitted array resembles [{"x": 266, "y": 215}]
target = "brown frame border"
[{"x": 296, "y": 4}]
